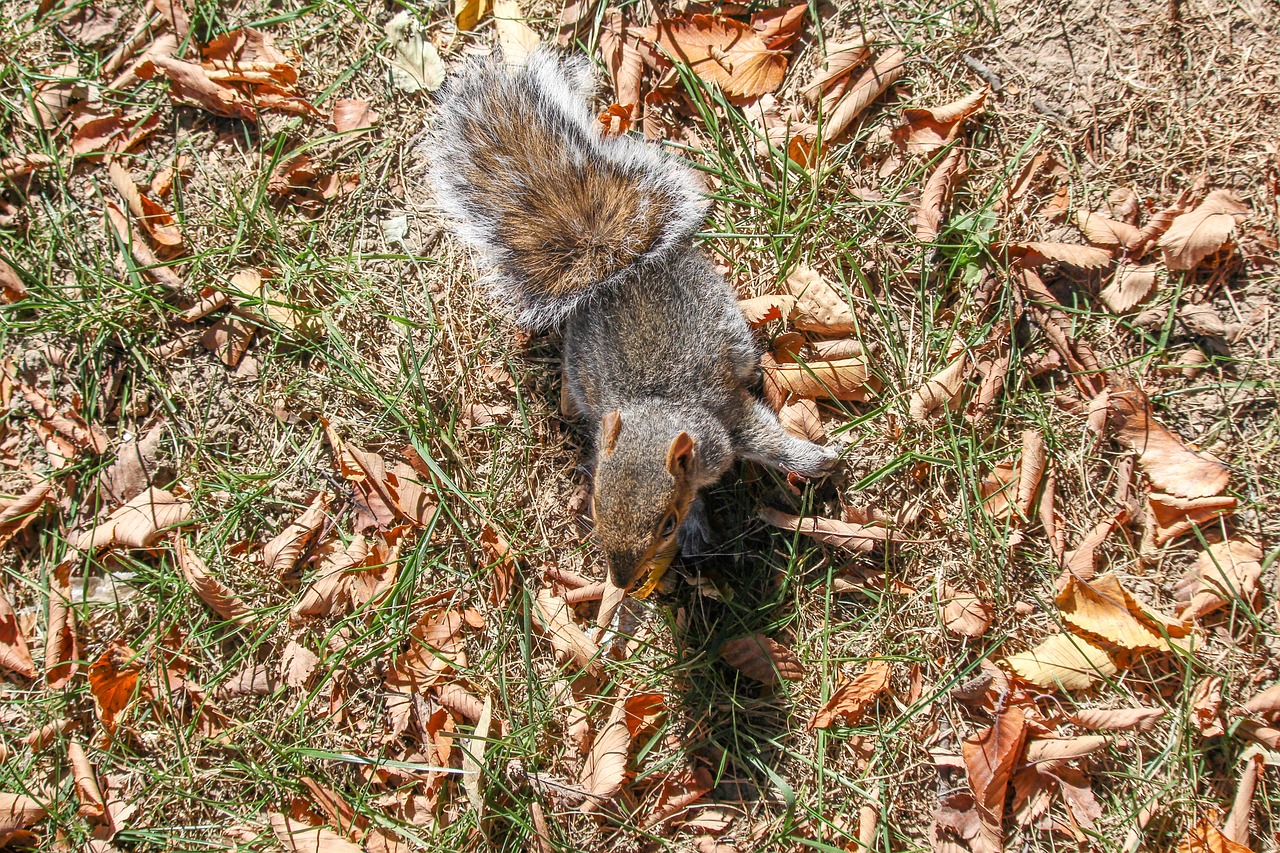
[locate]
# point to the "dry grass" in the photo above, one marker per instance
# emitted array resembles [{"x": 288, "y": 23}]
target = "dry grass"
[{"x": 1122, "y": 95}]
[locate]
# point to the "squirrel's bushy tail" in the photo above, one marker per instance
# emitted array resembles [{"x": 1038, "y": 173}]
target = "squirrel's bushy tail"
[{"x": 556, "y": 211}]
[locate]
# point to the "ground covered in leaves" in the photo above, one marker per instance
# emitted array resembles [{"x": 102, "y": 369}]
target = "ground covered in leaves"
[{"x": 293, "y": 546}]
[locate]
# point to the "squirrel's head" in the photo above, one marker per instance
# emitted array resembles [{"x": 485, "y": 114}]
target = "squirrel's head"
[{"x": 643, "y": 489}]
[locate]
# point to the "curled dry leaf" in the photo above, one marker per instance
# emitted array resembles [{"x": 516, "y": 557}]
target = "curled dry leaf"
[
  {"x": 1170, "y": 516},
  {"x": 780, "y": 27},
  {"x": 415, "y": 63},
  {"x": 642, "y": 712},
  {"x": 15, "y": 656},
  {"x": 220, "y": 93},
  {"x": 503, "y": 565},
  {"x": 118, "y": 228},
  {"x": 845, "y": 535},
  {"x": 1205, "y": 705},
  {"x": 1105, "y": 231},
  {"x": 92, "y": 805},
  {"x": 839, "y": 60},
  {"x": 1038, "y": 254},
  {"x": 61, "y": 649},
  {"x": 989, "y": 759},
  {"x": 280, "y": 555},
  {"x": 819, "y": 307},
  {"x": 17, "y": 165},
  {"x": 886, "y": 70},
  {"x": 435, "y": 648},
  {"x": 24, "y": 510},
  {"x": 298, "y": 837},
  {"x": 762, "y": 659},
  {"x": 12, "y": 288},
  {"x": 351, "y": 115},
  {"x": 837, "y": 379},
  {"x": 1103, "y": 608},
  {"x": 1128, "y": 286},
  {"x": 723, "y": 51},
  {"x": 1171, "y": 466},
  {"x": 766, "y": 309},
  {"x": 1205, "y": 837},
  {"x": 17, "y": 813},
  {"x": 473, "y": 749},
  {"x": 937, "y": 194},
  {"x": 926, "y": 130},
  {"x": 616, "y": 120},
  {"x": 570, "y": 641},
  {"x": 1057, "y": 749},
  {"x": 517, "y": 39},
  {"x": 138, "y": 524},
  {"x": 1063, "y": 661},
  {"x": 965, "y": 613},
  {"x": 1225, "y": 571},
  {"x": 1117, "y": 719},
  {"x": 467, "y": 13},
  {"x": 151, "y": 215},
  {"x": 624, "y": 58},
  {"x": 210, "y": 590},
  {"x": 113, "y": 683},
  {"x": 1195, "y": 235},
  {"x": 605, "y": 768},
  {"x": 1265, "y": 703},
  {"x": 854, "y": 697},
  {"x": 940, "y": 392},
  {"x": 69, "y": 422}
]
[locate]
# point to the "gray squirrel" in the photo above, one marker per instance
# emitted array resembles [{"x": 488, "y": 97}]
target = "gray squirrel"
[{"x": 593, "y": 236}]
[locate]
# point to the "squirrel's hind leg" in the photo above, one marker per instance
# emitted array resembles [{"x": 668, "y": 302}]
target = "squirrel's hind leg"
[{"x": 762, "y": 439}]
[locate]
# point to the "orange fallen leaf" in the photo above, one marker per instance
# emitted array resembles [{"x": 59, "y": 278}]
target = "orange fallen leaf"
[
  {"x": 280, "y": 555},
  {"x": 853, "y": 698},
  {"x": 837, "y": 379},
  {"x": 642, "y": 712},
  {"x": 298, "y": 837},
  {"x": 762, "y": 659},
  {"x": 1205, "y": 837},
  {"x": 1037, "y": 254},
  {"x": 615, "y": 120},
  {"x": 555, "y": 617},
  {"x": 503, "y": 569},
  {"x": 941, "y": 391},
  {"x": 210, "y": 590},
  {"x": 937, "y": 194},
  {"x": 839, "y": 60},
  {"x": 1205, "y": 705},
  {"x": 1063, "y": 661},
  {"x": 846, "y": 535},
  {"x": 1117, "y": 719},
  {"x": 1105, "y": 231},
  {"x": 1103, "y": 608},
  {"x": 350, "y": 115},
  {"x": 965, "y": 613},
  {"x": 435, "y": 649},
  {"x": 138, "y": 524},
  {"x": 1170, "y": 516},
  {"x": 989, "y": 758},
  {"x": 1224, "y": 571},
  {"x": 119, "y": 228},
  {"x": 12, "y": 288},
  {"x": 1171, "y": 466},
  {"x": 15, "y": 656},
  {"x": 151, "y": 215},
  {"x": 61, "y": 646},
  {"x": 819, "y": 307},
  {"x": 1195, "y": 235},
  {"x": 723, "y": 51},
  {"x": 24, "y": 510},
  {"x": 926, "y": 130},
  {"x": 113, "y": 683},
  {"x": 88, "y": 792},
  {"x": 780, "y": 28}
]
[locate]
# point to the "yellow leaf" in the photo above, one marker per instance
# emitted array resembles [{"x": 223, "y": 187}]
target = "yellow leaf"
[{"x": 1065, "y": 661}]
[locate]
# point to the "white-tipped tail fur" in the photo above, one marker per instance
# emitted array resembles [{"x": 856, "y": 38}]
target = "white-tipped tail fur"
[{"x": 555, "y": 211}]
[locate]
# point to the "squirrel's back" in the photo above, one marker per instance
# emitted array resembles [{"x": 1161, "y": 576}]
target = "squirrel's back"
[{"x": 556, "y": 210}]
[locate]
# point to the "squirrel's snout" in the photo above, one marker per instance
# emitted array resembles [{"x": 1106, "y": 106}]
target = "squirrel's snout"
[{"x": 625, "y": 567}]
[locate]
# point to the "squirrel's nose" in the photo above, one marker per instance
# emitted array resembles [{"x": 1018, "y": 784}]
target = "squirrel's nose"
[{"x": 626, "y": 567}]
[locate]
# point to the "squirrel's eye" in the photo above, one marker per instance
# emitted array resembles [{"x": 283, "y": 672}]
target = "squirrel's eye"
[{"x": 668, "y": 525}]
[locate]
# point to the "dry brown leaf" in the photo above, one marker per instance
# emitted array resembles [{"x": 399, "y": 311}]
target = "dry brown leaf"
[
  {"x": 1199, "y": 233},
  {"x": 24, "y": 510},
  {"x": 762, "y": 659},
  {"x": 1204, "y": 837},
  {"x": 140, "y": 523},
  {"x": 1105, "y": 231},
  {"x": 886, "y": 70},
  {"x": 642, "y": 712},
  {"x": 1128, "y": 286},
  {"x": 210, "y": 590},
  {"x": 17, "y": 165},
  {"x": 819, "y": 307},
  {"x": 605, "y": 768},
  {"x": 1264, "y": 703},
  {"x": 1171, "y": 466},
  {"x": 151, "y": 215},
  {"x": 473, "y": 749},
  {"x": 624, "y": 58},
  {"x": 570, "y": 641},
  {"x": 1079, "y": 562},
  {"x": 368, "y": 472},
  {"x": 351, "y": 115},
  {"x": 802, "y": 419},
  {"x": 297, "y": 664},
  {"x": 937, "y": 195},
  {"x": 1072, "y": 254},
  {"x": 839, "y": 60},
  {"x": 351, "y": 576},
  {"x": 854, "y": 697},
  {"x": 941, "y": 391},
  {"x": 12, "y": 288},
  {"x": 1170, "y": 516},
  {"x": 15, "y": 656},
  {"x": 280, "y": 555},
  {"x": 503, "y": 565},
  {"x": 1117, "y": 719},
  {"x": 840, "y": 534},
  {"x": 1063, "y": 661},
  {"x": 17, "y": 813},
  {"x": 68, "y": 422},
  {"x": 1225, "y": 571},
  {"x": 435, "y": 648},
  {"x": 298, "y": 837},
  {"x": 924, "y": 131},
  {"x": 615, "y": 120},
  {"x": 765, "y": 309},
  {"x": 517, "y": 39},
  {"x": 92, "y": 806},
  {"x": 113, "y": 682},
  {"x": 1058, "y": 749},
  {"x": 1102, "y": 607},
  {"x": 133, "y": 469},
  {"x": 467, "y": 13},
  {"x": 723, "y": 51},
  {"x": 837, "y": 379},
  {"x": 51, "y": 98},
  {"x": 119, "y": 228},
  {"x": 780, "y": 28},
  {"x": 61, "y": 647},
  {"x": 411, "y": 497},
  {"x": 965, "y": 613},
  {"x": 989, "y": 758},
  {"x": 1205, "y": 705},
  {"x": 1237, "y": 826}
]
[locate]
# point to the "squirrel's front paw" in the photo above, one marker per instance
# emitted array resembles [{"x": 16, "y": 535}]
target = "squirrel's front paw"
[{"x": 813, "y": 461}]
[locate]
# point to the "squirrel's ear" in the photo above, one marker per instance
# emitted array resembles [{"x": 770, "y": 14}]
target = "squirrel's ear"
[
  {"x": 680, "y": 454},
  {"x": 609, "y": 429}
]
